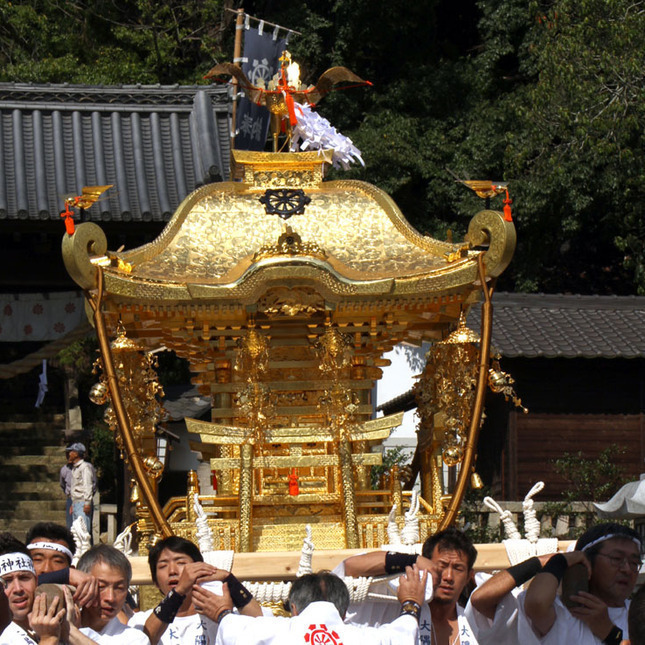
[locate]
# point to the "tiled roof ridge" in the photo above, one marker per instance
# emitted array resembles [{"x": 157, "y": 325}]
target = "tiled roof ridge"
[
  {"x": 569, "y": 301},
  {"x": 16, "y": 94}
]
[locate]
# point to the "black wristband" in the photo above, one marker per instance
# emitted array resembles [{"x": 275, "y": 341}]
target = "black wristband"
[
  {"x": 396, "y": 562},
  {"x": 614, "y": 637},
  {"x": 240, "y": 595},
  {"x": 410, "y": 608},
  {"x": 523, "y": 571},
  {"x": 556, "y": 566},
  {"x": 167, "y": 609},
  {"x": 224, "y": 612}
]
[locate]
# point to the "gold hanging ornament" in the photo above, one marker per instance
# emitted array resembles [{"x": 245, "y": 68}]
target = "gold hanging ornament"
[
  {"x": 139, "y": 386},
  {"x": 256, "y": 402},
  {"x": 502, "y": 383},
  {"x": 454, "y": 376}
]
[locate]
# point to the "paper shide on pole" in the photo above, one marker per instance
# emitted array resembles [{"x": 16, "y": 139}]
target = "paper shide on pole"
[{"x": 289, "y": 103}]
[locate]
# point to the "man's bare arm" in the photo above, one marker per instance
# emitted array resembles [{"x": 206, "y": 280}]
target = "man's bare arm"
[
  {"x": 366, "y": 564},
  {"x": 487, "y": 597},
  {"x": 540, "y": 597}
]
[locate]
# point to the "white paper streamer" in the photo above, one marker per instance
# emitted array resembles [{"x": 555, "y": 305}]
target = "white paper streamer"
[{"x": 313, "y": 132}]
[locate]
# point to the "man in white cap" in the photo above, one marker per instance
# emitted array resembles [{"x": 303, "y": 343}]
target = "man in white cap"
[
  {"x": 82, "y": 488},
  {"x": 611, "y": 553}
]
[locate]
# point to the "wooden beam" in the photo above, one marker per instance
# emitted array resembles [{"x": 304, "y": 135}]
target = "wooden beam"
[{"x": 283, "y": 565}]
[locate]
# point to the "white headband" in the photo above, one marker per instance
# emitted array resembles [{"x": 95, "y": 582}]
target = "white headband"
[
  {"x": 12, "y": 562},
  {"x": 636, "y": 541},
  {"x": 52, "y": 546}
]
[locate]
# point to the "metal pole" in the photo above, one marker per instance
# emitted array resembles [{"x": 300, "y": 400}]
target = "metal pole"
[
  {"x": 478, "y": 406},
  {"x": 131, "y": 452}
]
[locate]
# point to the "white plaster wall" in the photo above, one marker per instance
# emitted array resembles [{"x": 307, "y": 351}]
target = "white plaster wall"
[{"x": 406, "y": 363}]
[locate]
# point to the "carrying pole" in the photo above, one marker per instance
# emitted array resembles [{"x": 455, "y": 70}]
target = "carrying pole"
[{"x": 470, "y": 449}]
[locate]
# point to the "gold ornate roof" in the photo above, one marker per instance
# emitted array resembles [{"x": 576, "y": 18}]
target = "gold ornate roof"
[{"x": 351, "y": 242}]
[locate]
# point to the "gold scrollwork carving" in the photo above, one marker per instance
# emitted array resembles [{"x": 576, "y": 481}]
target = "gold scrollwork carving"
[
  {"x": 491, "y": 229},
  {"x": 78, "y": 249}
]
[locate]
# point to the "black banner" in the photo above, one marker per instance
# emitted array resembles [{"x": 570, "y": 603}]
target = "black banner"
[{"x": 262, "y": 53}]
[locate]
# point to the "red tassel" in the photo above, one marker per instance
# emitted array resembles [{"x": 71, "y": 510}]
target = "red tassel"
[
  {"x": 294, "y": 488},
  {"x": 69, "y": 222},
  {"x": 508, "y": 216}
]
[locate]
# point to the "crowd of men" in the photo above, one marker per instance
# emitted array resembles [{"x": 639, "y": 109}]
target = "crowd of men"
[{"x": 581, "y": 597}]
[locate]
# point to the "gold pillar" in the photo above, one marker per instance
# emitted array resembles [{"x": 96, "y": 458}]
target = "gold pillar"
[
  {"x": 191, "y": 488},
  {"x": 129, "y": 447},
  {"x": 246, "y": 497},
  {"x": 223, "y": 400},
  {"x": 395, "y": 487},
  {"x": 349, "y": 498}
]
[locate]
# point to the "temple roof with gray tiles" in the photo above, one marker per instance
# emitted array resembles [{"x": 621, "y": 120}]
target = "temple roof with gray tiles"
[
  {"x": 537, "y": 325},
  {"x": 156, "y": 144},
  {"x": 566, "y": 326}
]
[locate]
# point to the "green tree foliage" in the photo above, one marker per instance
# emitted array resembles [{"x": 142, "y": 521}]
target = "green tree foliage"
[
  {"x": 545, "y": 95},
  {"x": 590, "y": 480},
  {"x": 106, "y": 42},
  {"x": 391, "y": 457},
  {"x": 578, "y": 153}
]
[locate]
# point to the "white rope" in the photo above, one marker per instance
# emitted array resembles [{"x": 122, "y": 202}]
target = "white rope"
[
  {"x": 204, "y": 534},
  {"x": 123, "y": 541},
  {"x": 506, "y": 516},
  {"x": 531, "y": 523},
  {"x": 517, "y": 548},
  {"x": 306, "y": 555},
  {"x": 393, "y": 533},
  {"x": 220, "y": 559},
  {"x": 358, "y": 588},
  {"x": 269, "y": 591},
  {"x": 410, "y": 532}
]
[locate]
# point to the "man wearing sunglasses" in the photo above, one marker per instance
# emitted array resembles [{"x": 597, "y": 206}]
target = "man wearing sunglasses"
[{"x": 611, "y": 554}]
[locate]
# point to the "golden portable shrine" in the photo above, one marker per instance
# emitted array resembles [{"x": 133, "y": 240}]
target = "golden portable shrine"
[{"x": 284, "y": 291}]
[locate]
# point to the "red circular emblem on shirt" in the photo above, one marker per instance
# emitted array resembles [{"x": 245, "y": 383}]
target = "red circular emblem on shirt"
[{"x": 320, "y": 635}]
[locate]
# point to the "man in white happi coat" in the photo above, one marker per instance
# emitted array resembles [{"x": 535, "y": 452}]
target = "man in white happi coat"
[
  {"x": 318, "y": 603},
  {"x": 449, "y": 556},
  {"x": 113, "y": 571},
  {"x": 185, "y": 616},
  {"x": 612, "y": 555}
]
